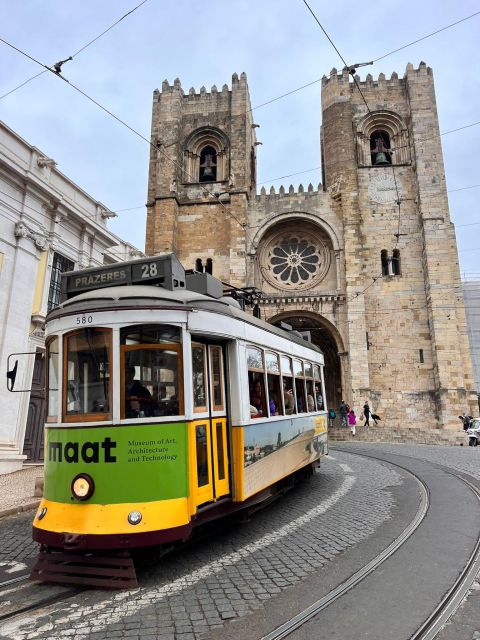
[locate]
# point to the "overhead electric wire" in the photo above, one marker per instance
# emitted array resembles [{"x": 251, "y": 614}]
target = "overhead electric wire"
[
  {"x": 23, "y": 84},
  {"x": 309, "y": 84},
  {"x": 76, "y": 52},
  {"x": 449, "y": 26},
  {"x": 158, "y": 148},
  {"x": 472, "y": 186},
  {"x": 398, "y": 201},
  {"x": 288, "y": 176}
]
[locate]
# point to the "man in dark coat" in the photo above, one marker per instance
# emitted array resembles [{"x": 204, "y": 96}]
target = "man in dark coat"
[{"x": 366, "y": 413}]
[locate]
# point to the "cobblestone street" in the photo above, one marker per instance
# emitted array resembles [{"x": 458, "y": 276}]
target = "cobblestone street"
[
  {"x": 187, "y": 595},
  {"x": 197, "y": 592}
]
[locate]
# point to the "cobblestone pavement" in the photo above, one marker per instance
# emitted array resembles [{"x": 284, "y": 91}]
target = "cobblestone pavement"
[
  {"x": 16, "y": 542},
  {"x": 187, "y": 595},
  {"x": 465, "y": 459},
  {"x": 465, "y": 623}
]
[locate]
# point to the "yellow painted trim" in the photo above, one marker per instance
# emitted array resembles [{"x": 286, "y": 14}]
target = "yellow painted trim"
[
  {"x": 222, "y": 487},
  {"x": 2, "y": 255},
  {"x": 40, "y": 283},
  {"x": 199, "y": 495},
  {"x": 104, "y": 519},
  {"x": 238, "y": 464}
]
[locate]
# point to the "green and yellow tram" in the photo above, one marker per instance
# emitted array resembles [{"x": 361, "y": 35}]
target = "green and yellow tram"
[{"x": 167, "y": 406}]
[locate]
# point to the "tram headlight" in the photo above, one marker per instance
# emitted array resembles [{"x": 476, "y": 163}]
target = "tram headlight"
[
  {"x": 134, "y": 517},
  {"x": 83, "y": 486},
  {"x": 42, "y": 513}
]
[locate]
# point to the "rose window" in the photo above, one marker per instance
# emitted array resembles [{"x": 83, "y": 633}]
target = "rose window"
[{"x": 295, "y": 261}]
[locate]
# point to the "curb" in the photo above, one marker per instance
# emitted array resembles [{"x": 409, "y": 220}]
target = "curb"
[{"x": 29, "y": 506}]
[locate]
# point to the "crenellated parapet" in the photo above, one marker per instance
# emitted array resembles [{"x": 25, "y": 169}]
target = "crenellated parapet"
[
  {"x": 338, "y": 87},
  {"x": 283, "y": 193},
  {"x": 193, "y": 100}
]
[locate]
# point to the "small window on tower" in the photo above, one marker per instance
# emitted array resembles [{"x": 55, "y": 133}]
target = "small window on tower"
[
  {"x": 396, "y": 263},
  {"x": 208, "y": 165},
  {"x": 384, "y": 259},
  {"x": 380, "y": 148}
]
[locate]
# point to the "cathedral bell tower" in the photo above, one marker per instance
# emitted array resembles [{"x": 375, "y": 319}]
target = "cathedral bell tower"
[
  {"x": 408, "y": 347},
  {"x": 202, "y": 175}
]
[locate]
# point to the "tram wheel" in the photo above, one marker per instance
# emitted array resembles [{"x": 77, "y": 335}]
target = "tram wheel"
[{"x": 472, "y": 442}]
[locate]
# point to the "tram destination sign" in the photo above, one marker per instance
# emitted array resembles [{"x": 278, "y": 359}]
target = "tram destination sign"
[{"x": 165, "y": 271}]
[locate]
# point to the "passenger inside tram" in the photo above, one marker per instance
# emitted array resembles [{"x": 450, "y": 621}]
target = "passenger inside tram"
[
  {"x": 138, "y": 399},
  {"x": 257, "y": 395},
  {"x": 288, "y": 398}
]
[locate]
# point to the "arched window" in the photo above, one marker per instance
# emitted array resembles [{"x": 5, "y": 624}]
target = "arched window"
[
  {"x": 208, "y": 164},
  {"x": 384, "y": 259},
  {"x": 206, "y": 156},
  {"x": 209, "y": 266},
  {"x": 380, "y": 148},
  {"x": 396, "y": 263},
  {"x": 382, "y": 132}
]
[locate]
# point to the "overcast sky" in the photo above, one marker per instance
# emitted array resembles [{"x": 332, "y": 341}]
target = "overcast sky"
[{"x": 276, "y": 42}]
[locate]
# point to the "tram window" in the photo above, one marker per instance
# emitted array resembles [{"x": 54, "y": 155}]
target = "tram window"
[
  {"x": 52, "y": 379},
  {"x": 299, "y": 386},
  {"x": 199, "y": 378},
  {"x": 256, "y": 386},
  {"x": 149, "y": 334},
  {"x": 202, "y": 454},
  {"x": 87, "y": 374},
  {"x": 287, "y": 382},
  {"x": 220, "y": 451},
  {"x": 272, "y": 365},
  {"x": 310, "y": 387},
  {"x": 318, "y": 387},
  {"x": 254, "y": 359},
  {"x": 216, "y": 377},
  {"x": 256, "y": 383},
  {"x": 152, "y": 381}
]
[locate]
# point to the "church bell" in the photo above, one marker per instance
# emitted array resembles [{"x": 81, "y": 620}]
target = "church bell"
[{"x": 381, "y": 159}]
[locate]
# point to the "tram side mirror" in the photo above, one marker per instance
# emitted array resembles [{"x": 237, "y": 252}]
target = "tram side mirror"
[
  {"x": 17, "y": 367},
  {"x": 11, "y": 376}
]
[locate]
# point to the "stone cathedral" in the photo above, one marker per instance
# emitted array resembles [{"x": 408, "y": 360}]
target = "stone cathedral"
[{"x": 366, "y": 261}]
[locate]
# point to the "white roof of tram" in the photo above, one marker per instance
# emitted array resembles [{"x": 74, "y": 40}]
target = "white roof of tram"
[{"x": 110, "y": 298}]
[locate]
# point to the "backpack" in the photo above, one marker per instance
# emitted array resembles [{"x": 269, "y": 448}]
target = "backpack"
[{"x": 332, "y": 414}]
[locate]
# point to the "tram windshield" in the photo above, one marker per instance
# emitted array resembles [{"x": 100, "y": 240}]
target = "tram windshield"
[
  {"x": 151, "y": 368},
  {"x": 87, "y": 374}
]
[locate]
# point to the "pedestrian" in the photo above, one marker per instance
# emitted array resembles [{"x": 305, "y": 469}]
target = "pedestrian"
[
  {"x": 366, "y": 413},
  {"x": 343, "y": 410},
  {"x": 331, "y": 417},
  {"x": 352, "y": 421}
]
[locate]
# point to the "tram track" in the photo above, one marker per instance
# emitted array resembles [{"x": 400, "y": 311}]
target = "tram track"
[
  {"x": 449, "y": 603},
  {"x": 426, "y": 631},
  {"x": 21, "y": 582}
]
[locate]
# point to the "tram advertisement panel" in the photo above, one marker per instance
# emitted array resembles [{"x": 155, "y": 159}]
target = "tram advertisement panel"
[
  {"x": 275, "y": 449},
  {"x": 128, "y": 464}
]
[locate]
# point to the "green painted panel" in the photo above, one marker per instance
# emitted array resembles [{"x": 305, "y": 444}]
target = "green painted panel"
[{"x": 137, "y": 463}]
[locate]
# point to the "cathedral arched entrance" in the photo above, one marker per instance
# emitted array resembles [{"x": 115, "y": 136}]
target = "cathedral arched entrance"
[{"x": 324, "y": 335}]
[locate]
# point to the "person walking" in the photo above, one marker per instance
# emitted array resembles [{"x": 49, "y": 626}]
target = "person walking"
[
  {"x": 366, "y": 413},
  {"x": 343, "y": 410},
  {"x": 352, "y": 421},
  {"x": 331, "y": 417}
]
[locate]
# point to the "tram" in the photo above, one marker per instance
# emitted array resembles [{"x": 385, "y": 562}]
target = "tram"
[{"x": 167, "y": 406}]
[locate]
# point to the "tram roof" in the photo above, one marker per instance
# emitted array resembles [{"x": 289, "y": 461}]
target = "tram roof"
[{"x": 158, "y": 297}]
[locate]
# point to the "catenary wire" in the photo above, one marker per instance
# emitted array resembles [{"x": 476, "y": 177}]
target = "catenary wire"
[
  {"x": 449, "y": 26},
  {"x": 77, "y": 52},
  {"x": 398, "y": 201},
  {"x": 158, "y": 148}
]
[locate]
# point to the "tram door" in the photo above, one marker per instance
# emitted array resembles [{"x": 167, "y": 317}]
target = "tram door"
[{"x": 208, "y": 436}]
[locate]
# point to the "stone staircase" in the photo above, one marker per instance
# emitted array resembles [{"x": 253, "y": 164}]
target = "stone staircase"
[{"x": 403, "y": 434}]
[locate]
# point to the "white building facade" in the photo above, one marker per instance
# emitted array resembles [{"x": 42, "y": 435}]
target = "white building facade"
[{"x": 47, "y": 225}]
